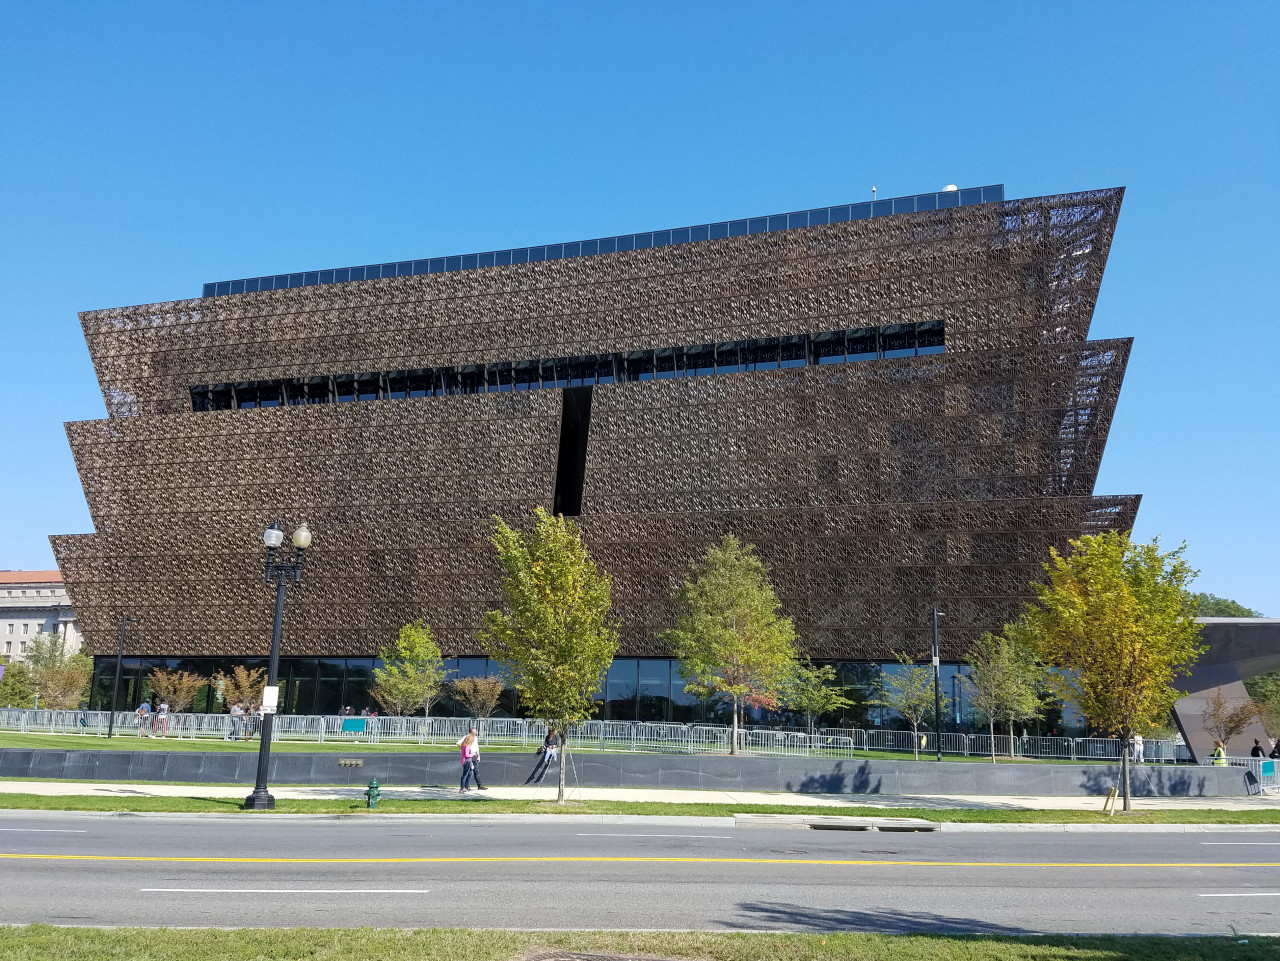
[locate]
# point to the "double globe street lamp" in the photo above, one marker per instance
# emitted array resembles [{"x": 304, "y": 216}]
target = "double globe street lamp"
[{"x": 281, "y": 572}]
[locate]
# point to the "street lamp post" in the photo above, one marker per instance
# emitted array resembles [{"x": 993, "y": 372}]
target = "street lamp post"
[
  {"x": 125, "y": 620},
  {"x": 281, "y": 572},
  {"x": 937, "y": 685}
]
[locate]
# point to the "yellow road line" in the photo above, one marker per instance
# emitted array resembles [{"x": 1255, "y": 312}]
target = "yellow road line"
[{"x": 633, "y": 860}]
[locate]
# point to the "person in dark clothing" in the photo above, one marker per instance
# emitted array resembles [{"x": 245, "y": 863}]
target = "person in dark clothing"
[
  {"x": 547, "y": 752},
  {"x": 1275, "y": 751},
  {"x": 1258, "y": 750}
]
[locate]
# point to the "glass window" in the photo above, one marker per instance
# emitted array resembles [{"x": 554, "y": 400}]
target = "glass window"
[
  {"x": 970, "y": 195},
  {"x": 344, "y": 386},
  {"x": 904, "y": 205},
  {"x": 452, "y": 263},
  {"x": 445, "y": 382},
  {"x": 572, "y": 250},
  {"x": 718, "y": 231},
  {"x": 221, "y": 397},
  {"x": 680, "y": 236},
  {"x": 927, "y": 202},
  {"x": 605, "y": 368},
  {"x": 246, "y": 395},
  {"x": 881, "y": 208},
  {"x": 498, "y": 377},
  {"x": 899, "y": 340},
  {"x": 355, "y": 694},
  {"x": 549, "y": 374},
  {"x": 270, "y": 394},
  {"x": 471, "y": 379},
  {"x": 949, "y": 198},
  {"x": 419, "y": 383},
  {"x": 582, "y": 371},
  {"x": 757, "y": 225},
  {"x": 800, "y": 219},
  {"x": 661, "y": 238},
  {"x": 828, "y": 348},
  {"x": 473, "y": 666},
  {"x": 859, "y": 211},
  {"x": 993, "y": 194},
  {"x": 838, "y": 215},
  {"x": 485, "y": 259},
  {"x": 333, "y": 674},
  {"x": 369, "y": 387},
  {"x": 640, "y": 365},
  {"x": 761, "y": 354},
  {"x": 620, "y": 690},
  {"x": 502, "y": 258},
  {"x": 862, "y": 344},
  {"x": 525, "y": 375},
  {"x": 700, "y": 233},
  {"x": 668, "y": 363},
  {"x": 930, "y": 337},
  {"x": 608, "y": 245},
  {"x": 654, "y": 690},
  {"x": 793, "y": 350},
  {"x": 727, "y": 359},
  {"x": 818, "y": 216},
  {"x": 589, "y": 248},
  {"x": 237, "y": 286},
  {"x": 200, "y": 398},
  {"x": 397, "y": 385},
  {"x": 700, "y": 361},
  {"x": 470, "y": 262},
  {"x": 300, "y": 698}
]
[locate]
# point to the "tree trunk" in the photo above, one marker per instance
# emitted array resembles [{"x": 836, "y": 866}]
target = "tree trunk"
[
  {"x": 733, "y": 744},
  {"x": 1124, "y": 774},
  {"x": 991, "y": 726},
  {"x": 564, "y": 751},
  {"x": 915, "y": 740}
]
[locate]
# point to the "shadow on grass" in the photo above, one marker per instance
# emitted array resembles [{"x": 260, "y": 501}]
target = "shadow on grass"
[{"x": 762, "y": 915}]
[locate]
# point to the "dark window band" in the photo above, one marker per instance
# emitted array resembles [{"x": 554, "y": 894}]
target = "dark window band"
[{"x": 730, "y": 357}]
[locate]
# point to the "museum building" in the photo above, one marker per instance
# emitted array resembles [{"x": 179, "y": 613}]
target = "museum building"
[{"x": 897, "y": 402}]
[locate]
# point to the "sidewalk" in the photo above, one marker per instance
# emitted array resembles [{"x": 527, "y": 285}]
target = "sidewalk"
[{"x": 1010, "y": 803}]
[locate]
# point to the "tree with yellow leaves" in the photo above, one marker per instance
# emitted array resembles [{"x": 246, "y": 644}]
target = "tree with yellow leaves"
[{"x": 1117, "y": 621}]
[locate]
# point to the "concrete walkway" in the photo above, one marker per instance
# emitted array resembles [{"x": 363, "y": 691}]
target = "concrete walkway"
[{"x": 119, "y": 790}]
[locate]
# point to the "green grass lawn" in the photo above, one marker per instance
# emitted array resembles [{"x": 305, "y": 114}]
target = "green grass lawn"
[
  {"x": 44, "y": 943},
  {"x": 390, "y": 805},
  {"x": 131, "y": 742}
]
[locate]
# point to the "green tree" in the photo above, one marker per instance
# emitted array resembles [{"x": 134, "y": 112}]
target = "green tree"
[
  {"x": 17, "y": 687},
  {"x": 1211, "y": 605},
  {"x": 1224, "y": 718},
  {"x": 910, "y": 693},
  {"x": 554, "y": 637},
  {"x": 812, "y": 691},
  {"x": 730, "y": 639},
  {"x": 60, "y": 678},
  {"x": 479, "y": 695},
  {"x": 1005, "y": 678},
  {"x": 1117, "y": 620},
  {"x": 178, "y": 688},
  {"x": 412, "y": 672}
]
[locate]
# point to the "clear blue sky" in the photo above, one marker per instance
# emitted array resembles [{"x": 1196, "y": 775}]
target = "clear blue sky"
[{"x": 148, "y": 148}]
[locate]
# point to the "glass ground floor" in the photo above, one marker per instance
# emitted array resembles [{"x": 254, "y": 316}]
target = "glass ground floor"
[{"x": 634, "y": 689}]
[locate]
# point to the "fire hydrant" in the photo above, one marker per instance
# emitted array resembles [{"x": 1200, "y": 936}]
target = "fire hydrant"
[{"x": 372, "y": 794}]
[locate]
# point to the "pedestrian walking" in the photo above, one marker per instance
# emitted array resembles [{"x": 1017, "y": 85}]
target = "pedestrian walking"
[
  {"x": 161, "y": 721},
  {"x": 1258, "y": 750},
  {"x": 144, "y": 719},
  {"x": 548, "y": 750},
  {"x": 237, "y": 720},
  {"x": 469, "y": 745},
  {"x": 1219, "y": 754},
  {"x": 1137, "y": 749}
]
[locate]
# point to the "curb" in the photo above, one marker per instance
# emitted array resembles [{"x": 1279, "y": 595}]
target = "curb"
[{"x": 791, "y": 822}]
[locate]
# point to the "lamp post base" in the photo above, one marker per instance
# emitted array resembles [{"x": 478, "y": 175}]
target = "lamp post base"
[{"x": 260, "y": 800}]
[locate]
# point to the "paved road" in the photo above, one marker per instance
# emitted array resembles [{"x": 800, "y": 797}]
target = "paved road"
[{"x": 252, "y": 871}]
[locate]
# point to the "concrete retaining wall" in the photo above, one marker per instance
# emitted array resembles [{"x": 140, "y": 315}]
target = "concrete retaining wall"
[{"x": 718, "y": 772}]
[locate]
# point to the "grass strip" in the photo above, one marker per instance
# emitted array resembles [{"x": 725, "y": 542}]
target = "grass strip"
[
  {"x": 194, "y": 804},
  {"x": 130, "y": 742},
  {"x": 44, "y": 943}
]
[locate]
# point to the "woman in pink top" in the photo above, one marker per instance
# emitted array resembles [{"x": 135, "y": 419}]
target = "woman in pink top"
[{"x": 470, "y": 749}]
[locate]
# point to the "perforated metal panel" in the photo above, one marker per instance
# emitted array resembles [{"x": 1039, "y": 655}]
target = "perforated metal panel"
[{"x": 873, "y": 489}]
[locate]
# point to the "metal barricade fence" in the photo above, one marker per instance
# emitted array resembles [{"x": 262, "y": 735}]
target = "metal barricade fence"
[
  {"x": 1263, "y": 770},
  {"x": 642, "y": 736}
]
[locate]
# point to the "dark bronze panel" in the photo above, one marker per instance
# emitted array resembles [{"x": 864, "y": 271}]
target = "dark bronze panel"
[{"x": 873, "y": 489}]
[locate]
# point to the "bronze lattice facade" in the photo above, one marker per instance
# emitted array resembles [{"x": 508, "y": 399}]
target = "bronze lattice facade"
[{"x": 934, "y": 454}]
